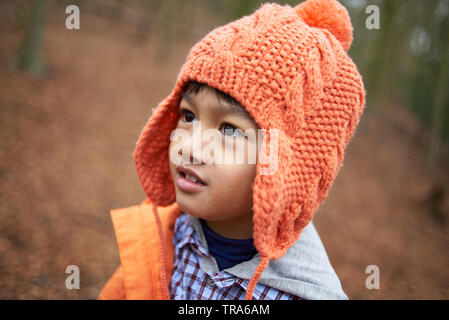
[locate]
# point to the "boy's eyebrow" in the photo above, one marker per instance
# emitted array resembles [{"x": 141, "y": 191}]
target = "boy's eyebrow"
[{"x": 229, "y": 107}]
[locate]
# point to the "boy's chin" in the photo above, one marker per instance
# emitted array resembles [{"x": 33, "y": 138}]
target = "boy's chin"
[
  {"x": 190, "y": 205},
  {"x": 193, "y": 211}
]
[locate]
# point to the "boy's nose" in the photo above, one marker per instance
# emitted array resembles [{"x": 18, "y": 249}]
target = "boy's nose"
[
  {"x": 190, "y": 153},
  {"x": 193, "y": 147}
]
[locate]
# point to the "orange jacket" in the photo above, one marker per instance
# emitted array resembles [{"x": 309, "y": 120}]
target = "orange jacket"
[{"x": 138, "y": 276}]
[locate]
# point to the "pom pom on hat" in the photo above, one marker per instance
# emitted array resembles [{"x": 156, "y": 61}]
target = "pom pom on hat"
[{"x": 330, "y": 15}]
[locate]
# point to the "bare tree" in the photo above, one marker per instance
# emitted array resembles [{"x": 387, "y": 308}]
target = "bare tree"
[{"x": 29, "y": 58}]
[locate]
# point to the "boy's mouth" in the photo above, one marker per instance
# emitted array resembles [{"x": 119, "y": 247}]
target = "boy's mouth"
[
  {"x": 190, "y": 174},
  {"x": 191, "y": 178}
]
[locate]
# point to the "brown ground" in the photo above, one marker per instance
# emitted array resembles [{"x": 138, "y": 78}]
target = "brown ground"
[{"x": 66, "y": 159}]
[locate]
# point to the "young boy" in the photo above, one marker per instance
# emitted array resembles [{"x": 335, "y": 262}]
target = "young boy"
[{"x": 214, "y": 229}]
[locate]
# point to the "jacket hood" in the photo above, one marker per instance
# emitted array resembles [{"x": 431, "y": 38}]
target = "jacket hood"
[{"x": 304, "y": 271}]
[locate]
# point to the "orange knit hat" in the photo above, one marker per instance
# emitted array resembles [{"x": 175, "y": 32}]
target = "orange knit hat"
[{"x": 289, "y": 68}]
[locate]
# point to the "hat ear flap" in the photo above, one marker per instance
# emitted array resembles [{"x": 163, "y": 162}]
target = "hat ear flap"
[
  {"x": 277, "y": 207},
  {"x": 151, "y": 156}
]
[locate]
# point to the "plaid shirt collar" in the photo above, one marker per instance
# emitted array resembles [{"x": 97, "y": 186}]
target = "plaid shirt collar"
[
  {"x": 194, "y": 236},
  {"x": 200, "y": 278},
  {"x": 187, "y": 234}
]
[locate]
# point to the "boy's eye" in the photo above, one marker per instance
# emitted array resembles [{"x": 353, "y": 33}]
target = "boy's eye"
[
  {"x": 230, "y": 130},
  {"x": 227, "y": 129},
  {"x": 187, "y": 115}
]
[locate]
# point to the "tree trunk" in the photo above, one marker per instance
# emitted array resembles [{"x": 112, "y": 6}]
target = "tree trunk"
[
  {"x": 29, "y": 58},
  {"x": 437, "y": 117}
]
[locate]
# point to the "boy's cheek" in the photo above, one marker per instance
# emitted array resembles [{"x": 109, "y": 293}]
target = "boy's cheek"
[{"x": 234, "y": 177}]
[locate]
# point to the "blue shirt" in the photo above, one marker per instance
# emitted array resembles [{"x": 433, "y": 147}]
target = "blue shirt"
[{"x": 228, "y": 252}]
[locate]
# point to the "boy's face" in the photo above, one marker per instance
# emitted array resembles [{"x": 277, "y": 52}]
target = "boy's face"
[{"x": 225, "y": 201}]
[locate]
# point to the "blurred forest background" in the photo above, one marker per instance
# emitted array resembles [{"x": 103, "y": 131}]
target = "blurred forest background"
[{"x": 73, "y": 102}]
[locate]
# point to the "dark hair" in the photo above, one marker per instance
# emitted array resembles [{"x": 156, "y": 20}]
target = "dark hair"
[{"x": 193, "y": 87}]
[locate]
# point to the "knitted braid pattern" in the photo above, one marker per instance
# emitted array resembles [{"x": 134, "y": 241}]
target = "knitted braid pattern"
[{"x": 289, "y": 68}]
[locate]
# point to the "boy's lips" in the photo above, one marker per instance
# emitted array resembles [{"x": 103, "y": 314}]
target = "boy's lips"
[{"x": 184, "y": 179}]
